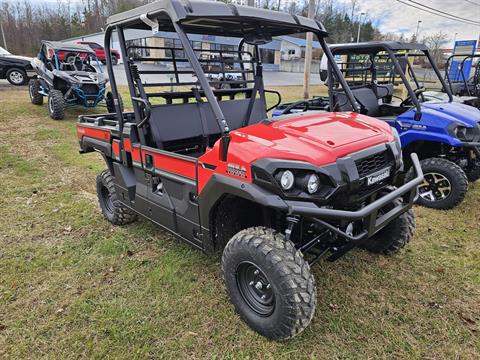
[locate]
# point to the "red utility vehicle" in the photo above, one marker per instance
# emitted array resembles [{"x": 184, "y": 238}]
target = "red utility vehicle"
[
  {"x": 69, "y": 57},
  {"x": 100, "y": 52},
  {"x": 207, "y": 164}
]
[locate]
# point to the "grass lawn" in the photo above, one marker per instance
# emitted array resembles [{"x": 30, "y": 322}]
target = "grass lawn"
[{"x": 74, "y": 286}]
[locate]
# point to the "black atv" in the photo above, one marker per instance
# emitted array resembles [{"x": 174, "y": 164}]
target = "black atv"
[{"x": 69, "y": 75}]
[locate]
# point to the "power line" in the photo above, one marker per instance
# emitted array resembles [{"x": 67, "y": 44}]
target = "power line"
[
  {"x": 472, "y": 2},
  {"x": 443, "y": 12},
  {"x": 450, "y": 17}
]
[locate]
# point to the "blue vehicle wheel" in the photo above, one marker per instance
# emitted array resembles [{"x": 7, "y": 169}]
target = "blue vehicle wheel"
[{"x": 444, "y": 186}]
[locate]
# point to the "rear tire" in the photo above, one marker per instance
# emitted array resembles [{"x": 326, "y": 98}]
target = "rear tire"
[
  {"x": 113, "y": 210},
  {"x": 56, "y": 104},
  {"x": 473, "y": 172},
  {"x": 393, "y": 237},
  {"x": 114, "y": 60},
  {"x": 17, "y": 76},
  {"x": 269, "y": 283},
  {"x": 445, "y": 184},
  {"x": 34, "y": 90}
]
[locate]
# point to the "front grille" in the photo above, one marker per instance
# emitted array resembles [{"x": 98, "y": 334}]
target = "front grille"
[
  {"x": 90, "y": 89},
  {"x": 372, "y": 163}
]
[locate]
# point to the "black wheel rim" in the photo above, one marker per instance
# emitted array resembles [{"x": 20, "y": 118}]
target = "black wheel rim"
[
  {"x": 106, "y": 199},
  {"x": 255, "y": 288},
  {"x": 435, "y": 187}
]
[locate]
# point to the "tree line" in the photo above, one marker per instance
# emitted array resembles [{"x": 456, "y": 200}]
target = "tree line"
[{"x": 25, "y": 24}]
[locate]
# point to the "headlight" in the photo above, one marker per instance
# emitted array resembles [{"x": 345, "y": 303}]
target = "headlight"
[
  {"x": 313, "y": 184},
  {"x": 460, "y": 132},
  {"x": 286, "y": 180}
]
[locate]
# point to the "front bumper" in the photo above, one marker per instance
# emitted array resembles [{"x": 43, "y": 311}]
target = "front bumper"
[{"x": 369, "y": 215}]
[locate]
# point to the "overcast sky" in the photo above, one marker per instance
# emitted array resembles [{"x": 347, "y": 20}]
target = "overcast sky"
[{"x": 393, "y": 16}]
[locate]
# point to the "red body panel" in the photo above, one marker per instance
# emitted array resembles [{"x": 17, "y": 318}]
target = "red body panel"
[
  {"x": 171, "y": 164},
  {"x": 318, "y": 139},
  {"x": 100, "y": 51},
  {"x": 96, "y": 133},
  {"x": 315, "y": 138}
]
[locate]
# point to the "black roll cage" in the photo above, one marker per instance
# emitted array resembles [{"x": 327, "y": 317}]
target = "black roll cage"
[
  {"x": 372, "y": 51},
  {"x": 142, "y": 101},
  {"x": 464, "y": 79}
]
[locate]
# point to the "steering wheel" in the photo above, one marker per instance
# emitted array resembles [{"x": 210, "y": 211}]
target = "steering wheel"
[
  {"x": 289, "y": 108},
  {"x": 417, "y": 92}
]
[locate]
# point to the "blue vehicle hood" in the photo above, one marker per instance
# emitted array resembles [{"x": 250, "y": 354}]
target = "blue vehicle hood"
[{"x": 464, "y": 115}]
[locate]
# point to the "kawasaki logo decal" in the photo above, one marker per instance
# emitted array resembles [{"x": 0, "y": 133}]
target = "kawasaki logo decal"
[{"x": 378, "y": 176}]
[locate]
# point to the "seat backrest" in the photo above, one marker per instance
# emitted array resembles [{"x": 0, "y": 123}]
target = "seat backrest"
[
  {"x": 364, "y": 96},
  {"x": 190, "y": 120},
  {"x": 78, "y": 63},
  {"x": 368, "y": 100},
  {"x": 384, "y": 90}
]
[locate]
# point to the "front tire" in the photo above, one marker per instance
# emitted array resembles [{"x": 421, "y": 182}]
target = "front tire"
[
  {"x": 113, "y": 210},
  {"x": 445, "y": 184},
  {"x": 269, "y": 283},
  {"x": 17, "y": 76},
  {"x": 393, "y": 237},
  {"x": 56, "y": 104},
  {"x": 34, "y": 91}
]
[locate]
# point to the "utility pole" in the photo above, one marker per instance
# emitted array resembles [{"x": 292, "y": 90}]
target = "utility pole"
[
  {"x": 418, "y": 27},
  {"x": 308, "y": 53},
  {"x": 359, "y": 26}
]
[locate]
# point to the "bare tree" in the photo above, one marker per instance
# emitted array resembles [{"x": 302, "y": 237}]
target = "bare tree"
[{"x": 435, "y": 42}]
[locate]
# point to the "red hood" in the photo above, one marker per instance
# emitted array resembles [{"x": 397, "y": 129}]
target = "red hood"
[{"x": 317, "y": 138}]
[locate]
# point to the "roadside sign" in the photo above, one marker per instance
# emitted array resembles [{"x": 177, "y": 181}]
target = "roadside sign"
[{"x": 462, "y": 47}]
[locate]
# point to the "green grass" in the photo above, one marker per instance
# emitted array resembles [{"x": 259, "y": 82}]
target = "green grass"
[{"x": 73, "y": 286}]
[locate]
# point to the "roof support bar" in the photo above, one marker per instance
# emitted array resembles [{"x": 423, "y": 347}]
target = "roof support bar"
[
  {"x": 111, "y": 76},
  {"x": 398, "y": 68},
  {"x": 334, "y": 67},
  {"x": 439, "y": 75},
  {"x": 212, "y": 101}
]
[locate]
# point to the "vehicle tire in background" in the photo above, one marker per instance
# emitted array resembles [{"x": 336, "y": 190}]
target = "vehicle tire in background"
[
  {"x": 114, "y": 60},
  {"x": 112, "y": 208},
  {"x": 473, "y": 172},
  {"x": 269, "y": 283},
  {"x": 393, "y": 237},
  {"x": 111, "y": 104},
  {"x": 16, "y": 76},
  {"x": 56, "y": 104},
  {"x": 445, "y": 184},
  {"x": 34, "y": 91}
]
